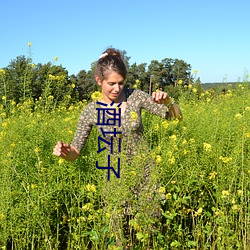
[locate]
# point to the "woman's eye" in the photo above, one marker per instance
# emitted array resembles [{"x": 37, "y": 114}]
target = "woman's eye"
[{"x": 112, "y": 83}]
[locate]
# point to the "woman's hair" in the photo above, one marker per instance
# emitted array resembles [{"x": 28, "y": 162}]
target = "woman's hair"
[{"x": 110, "y": 60}]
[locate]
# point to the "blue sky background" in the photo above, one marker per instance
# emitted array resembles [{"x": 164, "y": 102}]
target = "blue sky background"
[{"x": 212, "y": 36}]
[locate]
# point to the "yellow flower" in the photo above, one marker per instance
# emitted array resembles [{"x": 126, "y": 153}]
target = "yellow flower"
[
  {"x": 87, "y": 207},
  {"x": 173, "y": 137},
  {"x": 247, "y": 135},
  {"x": 180, "y": 82},
  {"x": 158, "y": 159},
  {"x": 50, "y": 97},
  {"x": 171, "y": 160},
  {"x": 194, "y": 90},
  {"x": 91, "y": 188},
  {"x": 207, "y": 147},
  {"x": 168, "y": 196},
  {"x": 4, "y": 124},
  {"x": 198, "y": 212},
  {"x": 137, "y": 80},
  {"x": 108, "y": 215},
  {"x": 96, "y": 96},
  {"x": 239, "y": 192},
  {"x": 225, "y": 193},
  {"x": 184, "y": 141},
  {"x": 2, "y": 72},
  {"x": 135, "y": 86},
  {"x": 56, "y": 58},
  {"x": 164, "y": 124},
  {"x": 2, "y": 217},
  {"x": 51, "y": 77},
  {"x": 195, "y": 71},
  {"x": 73, "y": 85},
  {"x": 238, "y": 116},
  {"x": 190, "y": 86},
  {"x": 225, "y": 159},
  {"x": 29, "y": 44},
  {"x": 246, "y": 108},
  {"x": 37, "y": 149},
  {"x": 218, "y": 212},
  {"x": 61, "y": 161},
  {"x": 235, "y": 207},
  {"x": 90, "y": 217},
  {"x": 212, "y": 175},
  {"x": 133, "y": 173},
  {"x": 156, "y": 127},
  {"x": 3, "y": 97},
  {"x": 191, "y": 140},
  {"x": 133, "y": 116},
  {"x": 162, "y": 190},
  {"x": 175, "y": 122}
]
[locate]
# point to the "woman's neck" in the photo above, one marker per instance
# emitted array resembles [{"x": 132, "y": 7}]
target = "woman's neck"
[{"x": 121, "y": 98}]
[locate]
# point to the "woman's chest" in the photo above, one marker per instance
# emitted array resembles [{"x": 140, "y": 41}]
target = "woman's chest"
[{"x": 125, "y": 118}]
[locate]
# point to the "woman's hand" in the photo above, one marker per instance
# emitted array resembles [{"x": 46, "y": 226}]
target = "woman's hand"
[
  {"x": 61, "y": 149},
  {"x": 161, "y": 97},
  {"x": 65, "y": 151}
]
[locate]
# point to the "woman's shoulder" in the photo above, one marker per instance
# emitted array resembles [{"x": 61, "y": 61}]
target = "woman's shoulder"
[
  {"x": 89, "y": 108},
  {"x": 136, "y": 93},
  {"x": 90, "y": 105}
]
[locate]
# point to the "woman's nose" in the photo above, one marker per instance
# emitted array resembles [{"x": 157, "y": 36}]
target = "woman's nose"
[{"x": 116, "y": 87}]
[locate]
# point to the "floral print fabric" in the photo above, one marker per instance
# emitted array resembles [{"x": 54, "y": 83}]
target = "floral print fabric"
[{"x": 131, "y": 121}]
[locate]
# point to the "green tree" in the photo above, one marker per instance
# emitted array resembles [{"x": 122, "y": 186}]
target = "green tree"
[
  {"x": 168, "y": 72},
  {"x": 18, "y": 79},
  {"x": 138, "y": 73},
  {"x": 181, "y": 71},
  {"x": 52, "y": 80},
  {"x": 86, "y": 84}
]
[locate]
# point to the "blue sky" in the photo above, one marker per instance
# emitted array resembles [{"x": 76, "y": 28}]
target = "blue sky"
[{"x": 212, "y": 36}]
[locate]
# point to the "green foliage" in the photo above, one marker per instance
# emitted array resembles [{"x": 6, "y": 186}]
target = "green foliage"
[
  {"x": 200, "y": 166},
  {"x": 25, "y": 80}
]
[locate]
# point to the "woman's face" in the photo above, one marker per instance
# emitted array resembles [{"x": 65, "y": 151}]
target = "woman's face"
[{"x": 112, "y": 86}]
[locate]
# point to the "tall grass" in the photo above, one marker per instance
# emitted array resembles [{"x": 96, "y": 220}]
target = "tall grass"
[{"x": 201, "y": 168}]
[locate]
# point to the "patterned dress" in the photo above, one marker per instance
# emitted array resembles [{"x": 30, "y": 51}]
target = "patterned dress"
[
  {"x": 131, "y": 127},
  {"x": 142, "y": 196}
]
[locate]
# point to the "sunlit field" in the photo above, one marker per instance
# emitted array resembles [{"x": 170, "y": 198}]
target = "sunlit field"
[{"x": 201, "y": 168}]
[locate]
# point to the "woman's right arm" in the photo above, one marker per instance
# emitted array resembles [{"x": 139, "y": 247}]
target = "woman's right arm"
[
  {"x": 70, "y": 152},
  {"x": 66, "y": 151}
]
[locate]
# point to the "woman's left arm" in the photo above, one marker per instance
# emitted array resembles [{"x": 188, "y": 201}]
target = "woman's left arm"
[{"x": 161, "y": 97}]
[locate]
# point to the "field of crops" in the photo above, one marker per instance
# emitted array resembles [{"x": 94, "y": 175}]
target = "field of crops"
[{"x": 202, "y": 169}]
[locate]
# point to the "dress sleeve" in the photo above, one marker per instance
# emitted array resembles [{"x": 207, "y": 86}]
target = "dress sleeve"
[
  {"x": 84, "y": 127},
  {"x": 151, "y": 106}
]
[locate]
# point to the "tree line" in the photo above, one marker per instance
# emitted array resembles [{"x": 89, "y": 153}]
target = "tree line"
[{"x": 22, "y": 79}]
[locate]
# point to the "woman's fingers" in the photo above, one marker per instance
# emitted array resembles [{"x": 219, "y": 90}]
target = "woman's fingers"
[
  {"x": 160, "y": 97},
  {"x": 61, "y": 149}
]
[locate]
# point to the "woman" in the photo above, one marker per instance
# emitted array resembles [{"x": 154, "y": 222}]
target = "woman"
[{"x": 110, "y": 74}]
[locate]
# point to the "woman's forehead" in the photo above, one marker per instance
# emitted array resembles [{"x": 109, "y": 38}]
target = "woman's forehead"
[{"x": 113, "y": 76}]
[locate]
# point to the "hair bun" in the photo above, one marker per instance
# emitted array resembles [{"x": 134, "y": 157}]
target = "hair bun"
[{"x": 103, "y": 55}]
